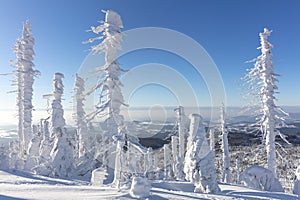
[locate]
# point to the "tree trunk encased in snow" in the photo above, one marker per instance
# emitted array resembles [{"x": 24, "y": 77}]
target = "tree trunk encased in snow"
[
  {"x": 199, "y": 165},
  {"x": 182, "y": 123},
  {"x": 226, "y": 176}
]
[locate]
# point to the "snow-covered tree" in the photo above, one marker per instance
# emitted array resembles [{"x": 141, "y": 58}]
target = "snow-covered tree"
[
  {"x": 167, "y": 162},
  {"x": 28, "y": 78},
  {"x": 62, "y": 151},
  {"x": 80, "y": 114},
  {"x": 296, "y": 189},
  {"x": 57, "y": 115},
  {"x": 182, "y": 123},
  {"x": 175, "y": 150},
  {"x": 262, "y": 83},
  {"x": 261, "y": 178},
  {"x": 212, "y": 143},
  {"x": 33, "y": 151},
  {"x": 24, "y": 81},
  {"x": 19, "y": 81},
  {"x": 199, "y": 165},
  {"x": 111, "y": 98},
  {"x": 226, "y": 177}
]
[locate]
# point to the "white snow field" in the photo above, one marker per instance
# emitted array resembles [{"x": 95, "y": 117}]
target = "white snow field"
[{"x": 21, "y": 186}]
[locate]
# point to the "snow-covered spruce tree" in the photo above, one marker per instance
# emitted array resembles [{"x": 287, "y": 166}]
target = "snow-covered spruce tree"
[
  {"x": 262, "y": 82},
  {"x": 199, "y": 159},
  {"x": 24, "y": 80},
  {"x": 19, "y": 83},
  {"x": 226, "y": 176},
  {"x": 80, "y": 115},
  {"x": 182, "y": 123},
  {"x": 62, "y": 151},
  {"x": 111, "y": 98},
  {"x": 28, "y": 79}
]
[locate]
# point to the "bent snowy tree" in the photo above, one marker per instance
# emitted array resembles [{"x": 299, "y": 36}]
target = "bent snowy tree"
[{"x": 262, "y": 82}]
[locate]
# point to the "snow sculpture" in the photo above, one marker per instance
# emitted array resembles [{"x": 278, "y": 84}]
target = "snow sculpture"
[
  {"x": 199, "y": 159},
  {"x": 260, "y": 178},
  {"x": 25, "y": 78},
  {"x": 182, "y": 123},
  {"x": 225, "y": 150},
  {"x": 296, "y": 189},
  {"x": 111, "y": 98},
  {"x": 262, "y": 82},
  {"x": 140, "y": 188}
]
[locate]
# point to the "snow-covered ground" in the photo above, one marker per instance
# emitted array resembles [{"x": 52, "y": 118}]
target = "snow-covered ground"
[{"x": 21, "y": 186}]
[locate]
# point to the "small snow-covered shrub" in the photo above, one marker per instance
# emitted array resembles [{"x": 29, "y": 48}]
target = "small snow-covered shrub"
[
  {"x": 260, "y": 178},
  {"x": 140, "y": 187}
]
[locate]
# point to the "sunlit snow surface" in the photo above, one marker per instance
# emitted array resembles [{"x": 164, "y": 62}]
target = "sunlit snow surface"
[{"x": 20, "y": 186}]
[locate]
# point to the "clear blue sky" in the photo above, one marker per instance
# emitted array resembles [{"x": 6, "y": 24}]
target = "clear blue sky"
[{"x": 228, "y": 30}]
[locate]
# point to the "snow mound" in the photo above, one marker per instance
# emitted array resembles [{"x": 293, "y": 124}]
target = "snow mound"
[
  {"x": 140, "y": 187},
  {"x": 261, "y": 178}
]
